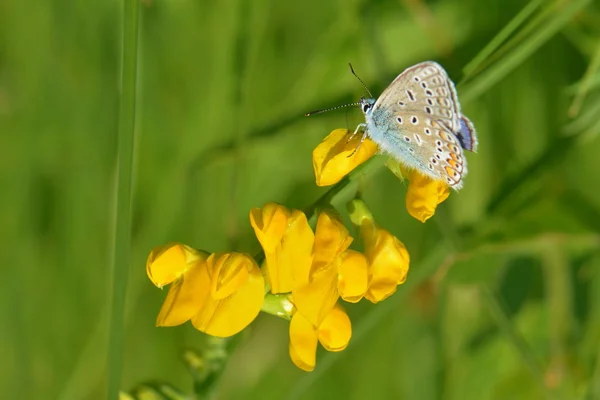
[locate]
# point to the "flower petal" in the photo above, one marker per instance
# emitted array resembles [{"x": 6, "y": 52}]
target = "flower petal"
[
  {"x": 225, "y": 317},
  {"x": 186, "y": 296},
  {"x": 167, "y": 263},
  {"x": 353, "y": 277},
  {"x": 303, "y": 342},
  {"x": 332, "y": 160},
  {"x": 388, "y": 261},
  {"x": 423, "y": 195},
  {"x": 287, "y": 244},
  {"x": 335, "y": 331},
  {"x": 315, "y": 299},
  {"x": 269, "y": 223},
  {"x": 297, "y": 249},
  {"x": 228, "y": 272},
  {"x": 331, "y": 239}
]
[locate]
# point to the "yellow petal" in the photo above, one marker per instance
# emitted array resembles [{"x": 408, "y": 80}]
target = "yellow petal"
[
  {"x": 315, "y": 299},
  {"x": 388, "y": 261},
  {"x": 335, "y": 331},
  {"x": 293, "y": 257},
  {"x": 303, "y": 342},
  {"x": 269, "y": 223},
  {"x": 228, "y": 273},
  {"x": 423, "y": 195},
  {"x": 352, "y": 276},
  {"x": 332, "y": 160},
  {"x": 287, "y": 241},
  {"x": 186, "y": 296},
  {"x": 316, "y": 293},
  {"x": 167, "y": 263},
  {"x": 298, "y": 246},
  {"x": 225, "y": 317},
  {"x": 331, "y": 239}
]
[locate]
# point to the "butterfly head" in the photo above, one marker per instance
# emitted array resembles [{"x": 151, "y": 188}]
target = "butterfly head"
[{"x": 366, "y": 105}]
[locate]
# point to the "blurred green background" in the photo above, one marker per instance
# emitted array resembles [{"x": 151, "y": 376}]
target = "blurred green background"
[{"x": 503, "y": 297}]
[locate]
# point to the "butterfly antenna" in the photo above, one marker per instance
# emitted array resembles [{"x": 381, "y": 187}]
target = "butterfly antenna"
[
  {"x": 360, "y": 80},
  {"x": 308, "y": 114}
]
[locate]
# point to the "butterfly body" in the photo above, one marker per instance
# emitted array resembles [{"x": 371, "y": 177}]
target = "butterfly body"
[{"x": 417, "y": 120}]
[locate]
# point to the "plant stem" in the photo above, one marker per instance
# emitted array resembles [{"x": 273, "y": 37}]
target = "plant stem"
[
  {"x": 559, "y": 300},
  {"x": 366, "y": 169},
  {"x": 122, "y": 226},
  {"x": 516, "y": 340}
]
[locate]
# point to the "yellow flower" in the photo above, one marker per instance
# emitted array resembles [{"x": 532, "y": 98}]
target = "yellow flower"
[
  {"x": 423, "y": 195},
  {"x": 332, "y": 160},
  {"x": 388, "y": 261},
  {"x": 353, "y": 275},
  {"x": 333, "y": 333},
  {"x": 221, "y": 293},
  {"x": 287, "y": 241},
  {"x": 316, "y": 291},
  {"x": 316, "y": 268},
  {"x": 387, "y": 256},
  {"x": 168, "y": 263},
  {"x": 331, "y": 239}
]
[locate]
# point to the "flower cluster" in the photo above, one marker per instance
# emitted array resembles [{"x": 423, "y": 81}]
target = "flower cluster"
[
  {"x": 220, "y": 293},
  {"x": 305, "y": 273}
]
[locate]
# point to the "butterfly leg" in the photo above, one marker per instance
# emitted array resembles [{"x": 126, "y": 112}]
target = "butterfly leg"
[
  {"x": 362, "y": 139},
  {"x": 363, "y": 126}
]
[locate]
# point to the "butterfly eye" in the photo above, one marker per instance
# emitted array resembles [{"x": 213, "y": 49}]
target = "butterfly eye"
[{"x": 366, "y": 107}]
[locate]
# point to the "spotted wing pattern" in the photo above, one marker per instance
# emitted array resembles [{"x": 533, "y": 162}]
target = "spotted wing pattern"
[{"x": 417, "y": 120}]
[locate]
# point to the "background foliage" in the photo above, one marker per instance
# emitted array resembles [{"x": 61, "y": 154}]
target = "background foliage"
[{"x": 503, "y": 296}]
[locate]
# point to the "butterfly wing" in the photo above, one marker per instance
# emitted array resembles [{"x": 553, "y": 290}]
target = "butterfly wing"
[
  {"x": 414, "y": 120},
  {"x": 425, "y": 85},
  {"x": 467, "y": 135}
]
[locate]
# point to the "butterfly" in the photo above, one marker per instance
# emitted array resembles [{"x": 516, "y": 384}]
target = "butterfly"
[{"x": 417, "y": 120}]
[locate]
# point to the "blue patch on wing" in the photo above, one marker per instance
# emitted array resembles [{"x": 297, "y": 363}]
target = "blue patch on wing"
[{"x": 466, "y": 136}]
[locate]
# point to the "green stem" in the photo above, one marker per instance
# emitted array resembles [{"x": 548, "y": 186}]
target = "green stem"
[
  {"x": 358, "y": 211},
  {"x": 278, "y": 305},
  {"x": 550, "y": 26},
  {"x": 559, "y": 300},
  {"x": 339, "y": 189},
  {"x": 518, "y": 343},
  {"x": 208, "y": 365},
  {"x": 505, "y": 33},
  {"x": 593, "y": 390},
  {"x": 585, "y": 83},
  {"x": 122, "y": 232}
]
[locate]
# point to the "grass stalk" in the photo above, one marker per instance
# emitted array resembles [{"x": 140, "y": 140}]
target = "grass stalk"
[
  {"x": 559, "y": 300},
  {"x": 508, "y": 63},
  {"x": 122, "y": 225},
  {"x": 586, "y": 83},
  {"x": 502, "y": 36},
  {"x": 514, "y": 338}
]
